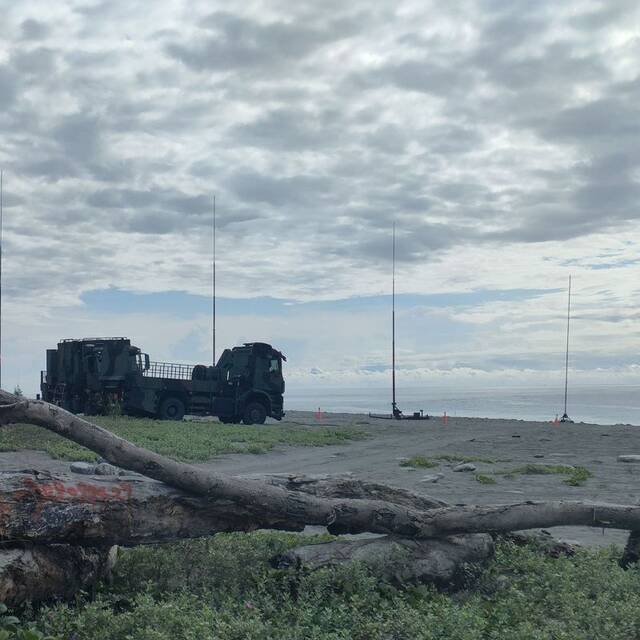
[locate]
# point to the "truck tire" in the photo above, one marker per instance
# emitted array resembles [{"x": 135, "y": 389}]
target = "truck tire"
[
  {"x": 254, "y": 413},
  {"x": 171, "y": 408}
]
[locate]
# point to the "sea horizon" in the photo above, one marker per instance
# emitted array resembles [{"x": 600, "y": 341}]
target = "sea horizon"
[{"x": 593, "y": 403}]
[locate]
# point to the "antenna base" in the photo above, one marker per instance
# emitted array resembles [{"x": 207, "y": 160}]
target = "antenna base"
[{"x": 566, "y": 418}]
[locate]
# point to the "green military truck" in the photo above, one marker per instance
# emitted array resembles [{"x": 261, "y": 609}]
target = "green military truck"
[{"x": 95, "y": 375}]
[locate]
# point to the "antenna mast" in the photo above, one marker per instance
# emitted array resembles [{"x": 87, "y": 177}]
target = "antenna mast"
[
  {"x": 393, "y": 322},
  {"x": 213, "y": 285},
  {"x": 1, "y": 221},
  {"x": 565, "y": 417}
]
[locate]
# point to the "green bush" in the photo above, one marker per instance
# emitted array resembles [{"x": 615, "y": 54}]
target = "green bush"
[
  {"x": 12, "y": 629},
  {"x": 225, "y": 588}
]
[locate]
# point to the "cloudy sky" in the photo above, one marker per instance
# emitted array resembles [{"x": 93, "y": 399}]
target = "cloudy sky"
[{"x": 503, "y": 138}]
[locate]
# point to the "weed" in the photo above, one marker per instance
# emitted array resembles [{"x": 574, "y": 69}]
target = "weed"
[
  {"x": 419, "y": 461},
  {"x": 455, "y": 458},
  {"x": 576, "y": 476},
  {"x": 484, "y": 479},
  {"x": 434, "y": 461}
]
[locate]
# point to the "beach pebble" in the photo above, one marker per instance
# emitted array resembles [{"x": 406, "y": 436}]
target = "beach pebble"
[
  {"x": 629, "y": 458},
  {"x": 434, "y": 477},
  {"x": 85, "y": 468},
  {"x": 465, "y": 466}
]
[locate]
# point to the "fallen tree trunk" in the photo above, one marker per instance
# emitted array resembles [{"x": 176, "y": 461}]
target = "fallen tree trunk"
[
  {"x": 31, "y": 573},
  {"x": 133, "y": 511},
  {"x": 398, "y": 560},
  {"x": 89, "y": 510},
  {"x": 275, "y": 507}
]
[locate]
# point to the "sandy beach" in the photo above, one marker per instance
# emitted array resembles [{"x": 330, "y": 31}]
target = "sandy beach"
[{"x": 508, "y": 443}]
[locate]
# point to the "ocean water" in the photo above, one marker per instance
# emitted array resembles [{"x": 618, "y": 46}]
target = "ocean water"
[{"x": 595, "y": 404}]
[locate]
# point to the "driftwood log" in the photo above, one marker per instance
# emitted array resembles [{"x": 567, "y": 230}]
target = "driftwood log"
[
  {"x": 51, "y": 518},
  {"x": 40, "y": 507},
  {"x": 132, "y": 511},
  {"x": 278, "y": 507},
  {"x": 34, "y": 573},
  {"x": 439, "y": 561}
]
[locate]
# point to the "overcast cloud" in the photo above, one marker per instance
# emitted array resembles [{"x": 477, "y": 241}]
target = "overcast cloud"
[{"x": 503, "y": 138}]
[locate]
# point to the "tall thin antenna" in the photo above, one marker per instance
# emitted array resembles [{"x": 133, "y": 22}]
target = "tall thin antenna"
[
  {"x": 565, "y": 417},
  {"x": 1, "y": 221},
  {"x": 213, "y": 285},
  {"x": 393, "y": 321}
]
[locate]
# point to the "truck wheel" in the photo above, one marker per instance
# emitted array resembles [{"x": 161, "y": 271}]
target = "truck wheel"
[
  {"x": 171, "y": 409},
  {"x": 254, "y": 413}
]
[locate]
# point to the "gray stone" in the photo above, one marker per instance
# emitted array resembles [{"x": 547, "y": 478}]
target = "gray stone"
[
  {"x": 434, "y": 477},
  {"x": 86, "y": 468},
  {"x": 106, "y": 469},
  {"x": 629, "y": 457},
  {"x": 465, "y": 466}
]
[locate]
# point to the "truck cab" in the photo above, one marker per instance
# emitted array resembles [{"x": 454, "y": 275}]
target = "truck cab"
[{"x": 248, "y": 383}]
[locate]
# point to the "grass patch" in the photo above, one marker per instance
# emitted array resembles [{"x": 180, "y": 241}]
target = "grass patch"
[
  {"x": 448, "y": 457},
  {"x": 434, "y": 461},
  {"x": 419, "y": 462},
  {"x": 576, "y": 476},
  {"x": 187, "y": 441},
  {"x": 224, "y": 588},
  {"x": 484, "y": 479}
]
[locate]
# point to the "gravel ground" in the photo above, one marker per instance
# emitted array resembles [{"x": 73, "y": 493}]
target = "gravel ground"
[{"x": 511, "y": 443}]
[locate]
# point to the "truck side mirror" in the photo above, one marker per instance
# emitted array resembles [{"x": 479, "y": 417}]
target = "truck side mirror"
[{"x": 146, "y": 362}]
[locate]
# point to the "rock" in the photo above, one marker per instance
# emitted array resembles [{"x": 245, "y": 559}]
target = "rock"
[
  {"x": 629, "y": 457},
  {"x": 538, "y": 455},
  {"x": 465, "y": 466},
  {"x": 434, "y": 477},
  {"x": 86, "y": 468},
  {"x": 106, "y": 469}
]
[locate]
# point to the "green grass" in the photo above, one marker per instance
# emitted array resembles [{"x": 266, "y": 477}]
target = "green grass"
[
  {"x": 455, "y": 458},
  {"x": 187, "y": 441},
  {"x": 576, "y": 476},
  {"x": 434, "y": 461},
  {"x": 484, "y": 479},
  {"x": 224, "y": 588},
  {"x": 419, "y": 462}
]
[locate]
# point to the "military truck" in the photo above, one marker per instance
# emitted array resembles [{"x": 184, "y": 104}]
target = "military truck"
[{"x": 95, "y": 375}]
